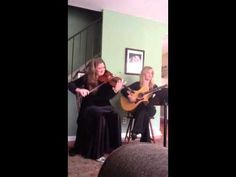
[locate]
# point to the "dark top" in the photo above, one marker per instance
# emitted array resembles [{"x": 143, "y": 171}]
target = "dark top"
[{"x": 99, "y": 98}]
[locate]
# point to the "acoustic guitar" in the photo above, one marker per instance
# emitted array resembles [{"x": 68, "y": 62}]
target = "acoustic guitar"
[{"x": 141, "y": 95}]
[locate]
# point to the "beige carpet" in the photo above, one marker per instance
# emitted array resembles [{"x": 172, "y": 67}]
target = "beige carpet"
[{"x": 81, "y": 167}]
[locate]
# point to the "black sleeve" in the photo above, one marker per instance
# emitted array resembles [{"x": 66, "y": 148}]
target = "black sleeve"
[
  {"x": 134, "y": 86},
  {"x": 78, "y": 83},
  {"x": 109, "y": 92}
]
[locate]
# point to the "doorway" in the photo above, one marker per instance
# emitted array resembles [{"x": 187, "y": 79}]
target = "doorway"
[{"x": 164, "y": 68}]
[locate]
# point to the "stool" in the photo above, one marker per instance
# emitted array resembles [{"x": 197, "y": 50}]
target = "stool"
[{"x": 130, "y": 127}]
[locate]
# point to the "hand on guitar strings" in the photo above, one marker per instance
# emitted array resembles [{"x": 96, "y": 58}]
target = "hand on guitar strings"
[{"x": 131, "y": 98}]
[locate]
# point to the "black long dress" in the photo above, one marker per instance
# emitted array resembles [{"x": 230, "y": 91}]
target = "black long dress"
[{"x": 99, "y": 127}]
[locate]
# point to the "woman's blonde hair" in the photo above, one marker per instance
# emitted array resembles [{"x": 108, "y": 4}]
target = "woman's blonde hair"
[
  {"x": 91, "y": 71},
  {"x": 143, "y": 72}
]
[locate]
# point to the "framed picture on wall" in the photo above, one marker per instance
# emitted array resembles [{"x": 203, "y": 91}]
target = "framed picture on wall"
[{"x": 134, "y": 61}]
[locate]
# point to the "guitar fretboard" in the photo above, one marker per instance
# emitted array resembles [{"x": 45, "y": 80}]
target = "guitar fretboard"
[{"x": 155, "y": 89}]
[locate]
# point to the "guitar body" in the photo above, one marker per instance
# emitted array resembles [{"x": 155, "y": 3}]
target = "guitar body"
[{"x": 129, "y": 106}]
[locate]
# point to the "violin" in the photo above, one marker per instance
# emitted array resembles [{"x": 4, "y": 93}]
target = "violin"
[{"x": 108, "y": 77}]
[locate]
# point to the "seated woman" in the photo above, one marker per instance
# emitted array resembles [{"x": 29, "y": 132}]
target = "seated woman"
[
  {"x": 99, "y": 129},
  {"x": 143, "y": 112}
]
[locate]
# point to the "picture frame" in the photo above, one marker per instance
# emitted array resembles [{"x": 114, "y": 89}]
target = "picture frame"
[{"x": 134, "y": 61}]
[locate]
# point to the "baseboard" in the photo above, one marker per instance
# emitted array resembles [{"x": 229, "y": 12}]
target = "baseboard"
[
  {"x": 71, "y": 138},
  {"x": 123, "y": 135},
  {"x": 156, "y": 133}
]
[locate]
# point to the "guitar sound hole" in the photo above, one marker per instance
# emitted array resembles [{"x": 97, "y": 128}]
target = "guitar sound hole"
[{"x": 140, "y": 95}]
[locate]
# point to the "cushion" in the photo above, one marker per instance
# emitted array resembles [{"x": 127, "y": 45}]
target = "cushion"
[{"x": 136, "y": 160}]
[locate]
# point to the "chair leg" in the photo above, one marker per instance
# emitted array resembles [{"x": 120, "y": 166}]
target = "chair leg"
[
  {"x": 128, "y": 131},
  {"x": 152, "y": 132}
]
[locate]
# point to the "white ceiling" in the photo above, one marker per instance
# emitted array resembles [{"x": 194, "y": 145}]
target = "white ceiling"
[{"x": 156, "y": 10}]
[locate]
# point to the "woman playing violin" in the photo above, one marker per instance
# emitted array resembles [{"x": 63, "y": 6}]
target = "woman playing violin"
[{"x": 99, "y": 129}]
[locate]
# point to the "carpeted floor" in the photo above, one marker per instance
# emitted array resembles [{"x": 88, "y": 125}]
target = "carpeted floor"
[{"x": 81, "y": 167}]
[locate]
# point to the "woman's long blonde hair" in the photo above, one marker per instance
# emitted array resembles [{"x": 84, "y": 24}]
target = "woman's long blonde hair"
[
  {"x": 143, "y": 72},
  {"x": 92, "y": 81}
]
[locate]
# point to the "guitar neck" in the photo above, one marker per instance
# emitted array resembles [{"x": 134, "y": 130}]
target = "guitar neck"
[{"x": 155, "y": 89}]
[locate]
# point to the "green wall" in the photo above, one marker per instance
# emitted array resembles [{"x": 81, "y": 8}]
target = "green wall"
[
  {"x": 78, "y": 19},
  {"x": 122, "y": 31}
]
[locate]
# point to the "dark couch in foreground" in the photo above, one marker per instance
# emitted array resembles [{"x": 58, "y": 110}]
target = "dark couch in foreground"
[{"x": 136, "y": 160}]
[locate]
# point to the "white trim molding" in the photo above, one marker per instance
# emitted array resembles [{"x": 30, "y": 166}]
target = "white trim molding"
[{"x": 71, "y": 138}]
